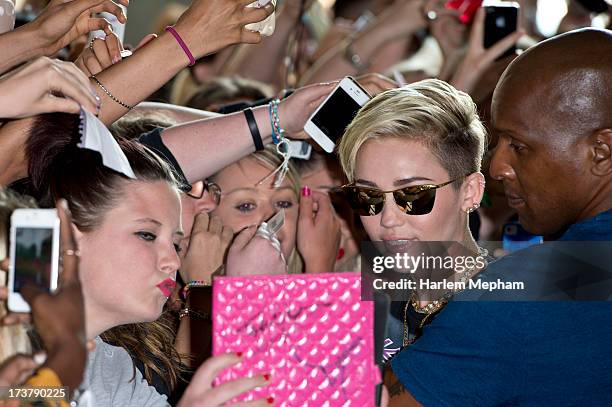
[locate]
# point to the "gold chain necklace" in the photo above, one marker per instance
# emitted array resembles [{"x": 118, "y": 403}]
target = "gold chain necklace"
[{"x": 438, "y": 304}]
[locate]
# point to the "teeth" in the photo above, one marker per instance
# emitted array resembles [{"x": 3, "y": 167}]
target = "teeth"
[{"x": 396, "y": 242}]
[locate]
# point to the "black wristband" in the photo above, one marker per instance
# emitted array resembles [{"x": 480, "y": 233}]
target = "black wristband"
[{"x": 248, "y": 113}]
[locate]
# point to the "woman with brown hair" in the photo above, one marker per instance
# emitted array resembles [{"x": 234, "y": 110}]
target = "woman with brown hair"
[{"x": 128, "y": 232}]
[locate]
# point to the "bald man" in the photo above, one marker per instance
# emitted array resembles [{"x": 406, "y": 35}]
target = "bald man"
[{"x": 553, "y": 111}]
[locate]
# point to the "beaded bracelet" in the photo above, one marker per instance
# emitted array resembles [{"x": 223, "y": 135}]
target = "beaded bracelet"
[
  {"x": 195, "y": 284},
  {"x": 110, "y": 95},
  {"x": 277, "y": 131}
]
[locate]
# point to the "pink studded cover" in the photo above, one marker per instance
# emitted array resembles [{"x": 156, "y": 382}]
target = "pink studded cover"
[{"x": 310, "y": 332}]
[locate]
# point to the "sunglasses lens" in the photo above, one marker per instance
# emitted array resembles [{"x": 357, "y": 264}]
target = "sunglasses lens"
[
  {"x": 364, "y": 202},
  {"x": 419, "y": 203}
]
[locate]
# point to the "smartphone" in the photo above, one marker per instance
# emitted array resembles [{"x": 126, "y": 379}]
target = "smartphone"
[
  {"x": 327, "y": 124},
  {"x": 501, "y": 20},
  {"x": 267, "y": 26},
  {"x": 467, "y": 9},
  {"x": 34, "y": 253},
  {"x": 515, "y": 237}
]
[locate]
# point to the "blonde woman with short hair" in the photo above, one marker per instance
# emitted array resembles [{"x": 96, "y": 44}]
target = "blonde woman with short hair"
[{"x": 412, "y": 157}]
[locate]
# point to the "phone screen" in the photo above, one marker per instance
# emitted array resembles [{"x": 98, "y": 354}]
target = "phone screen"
[
  {"x": 336, "y": 114},
  {"x": 499, "y": 23},
  {"x": 33, "y": 252}
]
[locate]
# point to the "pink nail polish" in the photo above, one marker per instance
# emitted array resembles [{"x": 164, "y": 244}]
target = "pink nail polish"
[{"x": 306, "y": 191}]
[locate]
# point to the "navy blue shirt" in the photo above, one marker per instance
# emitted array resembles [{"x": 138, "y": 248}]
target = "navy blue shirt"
[{"x": 527, "y": 353}]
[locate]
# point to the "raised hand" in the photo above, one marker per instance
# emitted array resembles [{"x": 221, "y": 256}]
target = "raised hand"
[
  {"x": 297, "y": 108},
  {"x": 478, "y": 59},
  {"x": 318, "y": 234},
  {"x": 208, "y": 242},
  {"x": 211, "y": 25},
  {"x": 63, "y": 21},
  {"x": 59, "y": 318},
  {"x": 33, "y": 89},
  {"x": 201, "y": 392},
  {"x": 251, "y": 254}
]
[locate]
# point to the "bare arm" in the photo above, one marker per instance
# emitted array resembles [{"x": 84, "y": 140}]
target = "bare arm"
[
  {"x": 380, "y": 45},
  {"x": 19, "y": 46},
  {"x": 398, "y": 395},
  {"x": 205, "y": 146},
  {"x": 60, "y": 23},
  {"x": 262, "y": 61},
  {"x": 179, "y": 114},
  {"x": 206, "y": 27}
]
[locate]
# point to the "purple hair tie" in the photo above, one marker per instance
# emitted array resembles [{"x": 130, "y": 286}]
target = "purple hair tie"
[{"x": 180, "y": 41}]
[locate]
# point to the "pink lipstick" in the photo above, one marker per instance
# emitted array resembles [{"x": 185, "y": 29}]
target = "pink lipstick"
[{"x": 166, "y": 287}]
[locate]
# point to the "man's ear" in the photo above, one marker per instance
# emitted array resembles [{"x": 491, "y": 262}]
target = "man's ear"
[
  {"x": 601, "y": 152},
  {"x": 472, "y": 191}
]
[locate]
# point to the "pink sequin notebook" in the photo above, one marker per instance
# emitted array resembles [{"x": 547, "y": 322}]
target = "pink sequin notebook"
[{"x": 311, "y": 332}]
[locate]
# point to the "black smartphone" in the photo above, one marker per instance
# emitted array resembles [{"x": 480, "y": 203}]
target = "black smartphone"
[{"x": 501, "y": 20}]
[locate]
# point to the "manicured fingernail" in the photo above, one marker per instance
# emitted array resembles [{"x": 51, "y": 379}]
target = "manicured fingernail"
[
  {"x": 340, "y": 254},
  {"x": 306, "y": 191},
  {"x": 270, "y": 400},
  {"x": 266, "y": 377},
  {"x": 239, "y": 354}
]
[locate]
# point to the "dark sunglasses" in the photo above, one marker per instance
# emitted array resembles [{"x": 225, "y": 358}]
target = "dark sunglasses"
[
  {"x": 213, "y": 190},
  {"x": 412, "y": 200}
]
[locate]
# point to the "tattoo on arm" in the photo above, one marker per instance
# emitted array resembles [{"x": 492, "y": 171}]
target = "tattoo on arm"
[{"x": 396, "y": 389}]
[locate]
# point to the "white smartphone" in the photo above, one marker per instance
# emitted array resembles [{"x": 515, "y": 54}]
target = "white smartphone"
[
  {"x": 327, "y": 124},
  {"x": 34, "y": 253},
  {"x": 267, "y": 26}
]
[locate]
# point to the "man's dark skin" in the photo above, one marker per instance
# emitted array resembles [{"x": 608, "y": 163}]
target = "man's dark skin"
[{"x": 553, "y": 111}]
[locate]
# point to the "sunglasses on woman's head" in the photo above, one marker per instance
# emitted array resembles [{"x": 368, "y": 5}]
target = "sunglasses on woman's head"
[
  {"x": 412, "y": 200},
  {"x": 213, "y": 189}
]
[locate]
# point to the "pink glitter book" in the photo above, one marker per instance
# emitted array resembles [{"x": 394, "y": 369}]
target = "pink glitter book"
[{"x": 311, "y": 332}]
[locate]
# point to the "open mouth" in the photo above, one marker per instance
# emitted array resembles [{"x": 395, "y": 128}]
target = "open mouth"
[{"x": 167, "y": 286}]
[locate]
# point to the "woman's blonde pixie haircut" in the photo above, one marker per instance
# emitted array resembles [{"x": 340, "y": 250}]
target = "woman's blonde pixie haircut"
[{"x": 431, "y": 112}]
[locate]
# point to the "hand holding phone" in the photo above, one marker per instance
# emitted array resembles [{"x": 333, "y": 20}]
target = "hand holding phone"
[
  {"x": 34, "y": 253},
  {"x": 327, "y": 124},
  {"x": 501, "y": 20},
  {"x": 59, "y": 318}
]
